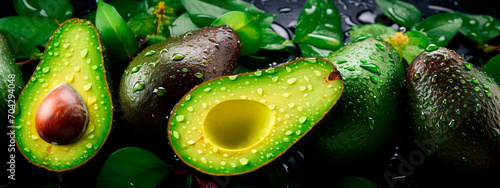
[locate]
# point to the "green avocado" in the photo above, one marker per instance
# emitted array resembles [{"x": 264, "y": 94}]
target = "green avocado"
[
  {"x": 237, "y": 124},
  {"x": 366, "y": 118},
  {"x": 11, "y": 83},
  {"x": 161, "y": 74},
  {"x": 65, "y": 110},
  {"x": 455, "y": 113}
]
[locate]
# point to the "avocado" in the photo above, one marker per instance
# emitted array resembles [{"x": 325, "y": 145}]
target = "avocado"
[
  {"x": 65, "y": 110},
  {"x": 237, "y": 124},
  {"x": 454, "y": 110},
  {"x": 158, "y": 77},
  {"x": 11, "y": 83},
  {"x": 366, "y": 118}
]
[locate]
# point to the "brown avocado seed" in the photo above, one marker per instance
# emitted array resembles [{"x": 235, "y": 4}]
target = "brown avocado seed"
[{"x": 62, "y": 116}]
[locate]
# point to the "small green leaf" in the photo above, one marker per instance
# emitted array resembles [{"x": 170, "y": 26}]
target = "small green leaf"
[
  {"x": 182, "y": 25},
  {"x": 401, "y": 12},
  {"x": 200, "y": 11},
  {"x": 492, "y": 68},
  {"x": 142, "y": 24},
  {"x": 375, "y": 29},
  {"x": 479, "y": 28},
  {"x": 117, "y": 37},
  {"x": 247, "y": 27},
  {"x": 318, "y": 28},
  {"x": 417, "y": 43},
  {"x": 32, "y": 30},
  {"x": 239, "y": 5},
  {"x": 131, "y": 167},
  {"x": 271, "y": 40},
  {"x": 56, "y": 10},
  {"x": 440, "y": 28},
  {"x": 19, "y": 47}
]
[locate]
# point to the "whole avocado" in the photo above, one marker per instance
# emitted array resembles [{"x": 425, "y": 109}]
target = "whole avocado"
[
  {"x": 455, "y": 112},
  {"x": 11, "y": 82},
  {"x": 365, "y": 119},
  {"x": 158, "y": 77}
]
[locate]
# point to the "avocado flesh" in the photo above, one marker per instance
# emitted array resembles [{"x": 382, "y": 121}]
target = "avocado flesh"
[
  {"x": 455, "y": 112},
  {"x": 74, "y": 56},
  {"x": 237, "y": 124},
  {"x": 161, "y": 74},
  {"x": 366, "y": 118},
  {"x": 11, "y": 82}
]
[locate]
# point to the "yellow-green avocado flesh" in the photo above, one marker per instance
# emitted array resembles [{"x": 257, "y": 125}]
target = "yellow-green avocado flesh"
[
  {"x": 237, "y": 124},
  {"x": 73, "y": 55}
]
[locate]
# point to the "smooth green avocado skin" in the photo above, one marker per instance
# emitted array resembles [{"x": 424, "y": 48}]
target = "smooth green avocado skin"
[
  {"x": 365, "y": 120},
  {"x": 455, "y": 112},
  {"x": 11, "y": 82},
  {"x": 158, "y": 77},
  {"x": 73, "y": 56}
]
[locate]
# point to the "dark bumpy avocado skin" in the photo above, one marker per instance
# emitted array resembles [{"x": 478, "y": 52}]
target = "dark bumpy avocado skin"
[
  {"x": 11, "y": 81},
  {"x": 366, "y": 116},
  {"x": 455, "y": 111},
  {"x": 168, "y": 70}
]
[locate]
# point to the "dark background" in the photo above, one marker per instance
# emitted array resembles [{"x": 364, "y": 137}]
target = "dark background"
[{"x": 27, "y": 175}]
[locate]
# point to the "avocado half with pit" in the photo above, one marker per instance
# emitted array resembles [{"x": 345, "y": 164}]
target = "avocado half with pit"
[
  {"x": 237, "y": 124},
  {"x": 64, "y": 114}
]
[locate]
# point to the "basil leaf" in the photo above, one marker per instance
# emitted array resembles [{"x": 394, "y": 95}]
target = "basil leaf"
[
  {"x": 19, "y": 47},
  {"x": 440, "y": 28},
  {"x": 318, "y": 30},
  {"x": 247, "y": 27},
  {"x": 271, "y": 40},
  {"x": 492, "y": 68},
  {"x": 32, "y": 29},
  {"x": 401, "y": 12},
  {"x": 132, "y": 167},
  {"x": 479, "y": 28},
  {"x": 116, "y": 35},
  {"x": 417, "y": 43},
  {"x": 375, "y": 29},
  {"x": 58, "y": 10},
  {"x": 182, "y": 25}
]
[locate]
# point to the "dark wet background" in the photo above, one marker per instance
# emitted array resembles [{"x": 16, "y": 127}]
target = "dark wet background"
[{"x": 353, "y": 12}]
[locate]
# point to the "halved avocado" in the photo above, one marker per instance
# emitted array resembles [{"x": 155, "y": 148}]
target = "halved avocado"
[
  {"x": 237, "y": 124},
  {"x": 71, "y": 77}
]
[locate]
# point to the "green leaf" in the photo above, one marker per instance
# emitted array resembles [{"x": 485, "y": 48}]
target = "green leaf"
[
  {"x": 19, "y": 47},
  {"x": 318, "y": 28},
  {"x": 56, "y": 10},
  {"x": 375, "y": 29},
  {"x": 492, "y": 68},
  {"x": 401, "y": 12},
  {"x": 417, "y": 43},
  {"x": 239, "y": 5},
  {"x": 202, "y": 13},
  {"x": 116, "y": 36},
  {"x": 440, "y": 28},
  {"x": 182, "y": 25},
  {"x": 479, "y": 28},
  {"x": 143, "y": 24},
  {"x": 33, "y": 30},
  {"x": 247, "y": 27},
  {"x": 131, "y": 167},
  {"x": 271, "y": 40}
]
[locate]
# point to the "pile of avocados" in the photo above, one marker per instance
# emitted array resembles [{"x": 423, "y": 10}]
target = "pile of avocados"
[{"x": 339, "y": 111}]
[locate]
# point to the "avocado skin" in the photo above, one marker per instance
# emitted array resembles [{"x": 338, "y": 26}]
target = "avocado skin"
[
  {"x": 8, "y": 69},
  {"x": 346, "y": 139},
  {"x": 211, "y": 52},
  {"x": 452, "y": 115}
]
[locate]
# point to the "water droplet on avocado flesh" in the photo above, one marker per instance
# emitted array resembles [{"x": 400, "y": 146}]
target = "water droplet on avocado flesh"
[
  {"x": 464, "y": 114},
  {"x": 74, "y": 68},
  {"x": 232, "y": 132}
]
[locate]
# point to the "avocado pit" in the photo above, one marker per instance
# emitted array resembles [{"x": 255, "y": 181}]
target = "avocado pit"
[{"x": 62, "y": 116}]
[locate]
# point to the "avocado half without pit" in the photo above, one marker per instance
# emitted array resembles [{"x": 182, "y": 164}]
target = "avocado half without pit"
[
  {"x": 64, "y": 114},
  {"x": 237, "y": 124}
]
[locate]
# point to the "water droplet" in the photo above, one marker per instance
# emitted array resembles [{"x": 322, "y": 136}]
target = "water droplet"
[
  {"x": 431, "y": 47},
  {"x": 452, "y": 123},
  {"x": 257, "y": 73},
  {"x": 485, "y": 86},
  {"x": 375, "y": 99},
  {"x": 275, "y": 79},
  {"x": 488, "y": 94},
  {"x": 27, "y": 149},
  {"x": 135, "y": 69},
  {"x": 371, "y": 123},
  {"x": 180, "y": 118},
  {"x": 259, "y": 91},
  {"x": 341, "y": 61},
  {"x": 208, "y": 89},
  {"x": 291, "y": 81},
  {"x": 370, "y": 67},
  {"x": 467, "y": 66},
  {"x": 94, "y": 67},
  {"x": 65, "y": 45},
  {"x": 302, "y": 119},
  {"x": 46, "y": 69},
  {"x": 138, "y": 86},
  {"x": 474, "y": 81},
  {"x": 88, "y": 145},
  {"x": 233, "y": 77},
  {"x": 87, "y": 87},
  {"x": 243, "y": 161},
  {"x": 160, "y": 91},
  {"x": 69, "y": 78},
  {"x": 84, "y": 53},
  {"x": 188, "y": 97},
  {"x": 77, "y": 69},
  {"x": 150, "y": 53},
  {"x": 270, "y": 71},
  {"x": 380, "y": 46},
  {"x": 285, "y": 95},
  {"x": 283, "y": 10},
  {"x": 198, "y": 75},
  {"x": 175, "y": 134},
  {"x": 190, "y": 142},
  {"x": 178, "y": 57},
  {"x": 185, "y": 70}
]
